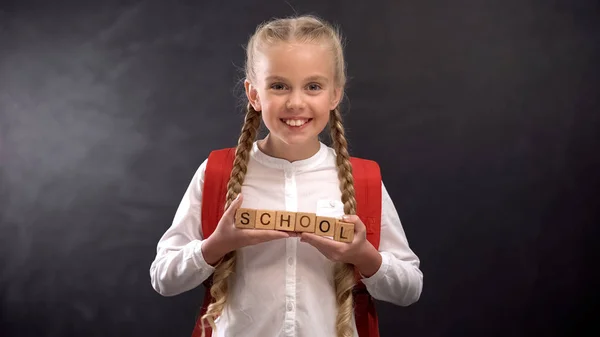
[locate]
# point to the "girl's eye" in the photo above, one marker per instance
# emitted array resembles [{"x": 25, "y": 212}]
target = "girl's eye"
[
  {"x": 277, "y": 86},
  {"x": 314, "y": 86}
]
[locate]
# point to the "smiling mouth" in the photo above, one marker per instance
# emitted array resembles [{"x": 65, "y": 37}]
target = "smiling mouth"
[{"x": 298, "y": 122}]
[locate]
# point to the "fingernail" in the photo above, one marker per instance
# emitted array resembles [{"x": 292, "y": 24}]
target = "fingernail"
[{"x": 346, "y": 217}]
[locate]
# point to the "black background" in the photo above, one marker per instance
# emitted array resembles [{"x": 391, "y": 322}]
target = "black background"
[{"x": 483, "y": 115}]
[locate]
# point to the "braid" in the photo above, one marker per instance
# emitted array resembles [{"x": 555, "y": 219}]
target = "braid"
[
  {"x": 343, "y": 273},
  {"x": 340, "y": 145},
  {"x": 242, "y": 154},
  {"x": 219, "y": 288}
]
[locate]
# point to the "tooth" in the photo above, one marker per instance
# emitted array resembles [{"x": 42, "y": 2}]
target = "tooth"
[{"x": 295, "y": 122}]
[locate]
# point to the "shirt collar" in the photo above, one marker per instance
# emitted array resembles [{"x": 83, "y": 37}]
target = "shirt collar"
[{"x": 283, "y": 164}]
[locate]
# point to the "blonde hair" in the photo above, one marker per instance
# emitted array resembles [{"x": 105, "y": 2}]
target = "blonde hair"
[{"x": 298, "y": 29}]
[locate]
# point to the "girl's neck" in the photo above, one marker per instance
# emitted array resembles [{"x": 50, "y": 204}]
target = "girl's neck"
[{"x": 278, "y": 149}]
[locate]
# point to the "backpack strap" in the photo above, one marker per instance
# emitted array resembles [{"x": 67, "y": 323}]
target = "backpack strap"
[
  {"x": 216, "y": 177},
  {"x": 367, "y": 186}
]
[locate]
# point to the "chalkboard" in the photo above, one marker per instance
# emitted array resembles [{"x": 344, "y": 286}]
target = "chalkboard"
[{"x": 483, "y": 115}]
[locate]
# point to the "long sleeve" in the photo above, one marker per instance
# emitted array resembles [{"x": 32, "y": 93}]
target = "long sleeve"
[
  {"x": 179, "y": 265},
  {"x": 399, "y": 279}
]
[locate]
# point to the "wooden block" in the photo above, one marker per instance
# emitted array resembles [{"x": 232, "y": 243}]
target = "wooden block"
[
  {"x": 245, "y": 218},
  {"x": 325, "y": 226},
  {"x": 305, "y": 222},
  {"x": 265, "y": 219},
  {"x": 285, "y": 221},
  {"x": 344, "y": 231}
]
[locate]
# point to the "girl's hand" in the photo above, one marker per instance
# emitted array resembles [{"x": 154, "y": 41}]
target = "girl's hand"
[
  {"x": 227, "y": 237},
  {"x": 359, "y": 252}
]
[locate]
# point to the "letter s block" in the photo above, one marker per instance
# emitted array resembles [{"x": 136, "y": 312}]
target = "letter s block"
[
  {"x": 265, "y": 219},
  {"x": 344, "y": 231},
  {"x": 325, "y": 226},
  {"x": 245, "y": 218},
  {"x": 285, "y": 221},
  {"x": 305, "y": 222}
]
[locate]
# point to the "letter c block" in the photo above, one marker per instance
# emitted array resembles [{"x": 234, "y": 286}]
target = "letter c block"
[{"x": 265, "y": 219}]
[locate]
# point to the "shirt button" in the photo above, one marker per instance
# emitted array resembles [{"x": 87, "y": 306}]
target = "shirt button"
[
  {"x": 290, "y": 307},
  {"x": 290, "y": 261}
]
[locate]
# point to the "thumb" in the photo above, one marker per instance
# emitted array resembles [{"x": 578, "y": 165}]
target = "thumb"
[
  {"x": 354, "y": 219},
  {"x": 234, "y": 206}
]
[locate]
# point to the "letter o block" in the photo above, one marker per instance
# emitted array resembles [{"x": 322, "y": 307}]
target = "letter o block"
[
  {"x": 305, "y": 222},
  {"x": 325, "y": 226}
]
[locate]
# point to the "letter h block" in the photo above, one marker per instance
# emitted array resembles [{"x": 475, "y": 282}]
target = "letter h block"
[{"x": 286, "y": 221}]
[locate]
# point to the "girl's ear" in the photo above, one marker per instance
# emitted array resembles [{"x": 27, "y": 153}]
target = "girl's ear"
[
  {"x": 252, "y": 95},
  {"x": 336, "y": 98}
]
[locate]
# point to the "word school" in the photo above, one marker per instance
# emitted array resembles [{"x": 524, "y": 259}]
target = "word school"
[{"x": 294, "y": 222}]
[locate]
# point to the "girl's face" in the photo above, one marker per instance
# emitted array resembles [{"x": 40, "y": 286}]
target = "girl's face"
[{"x": 295, "y": 90}]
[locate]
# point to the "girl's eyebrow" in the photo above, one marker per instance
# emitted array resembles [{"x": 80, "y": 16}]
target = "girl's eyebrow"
[
  {"x": 275, "y": 78},
  {"x": 317, "y": 78},
  {"x": 314, "y": 78}
]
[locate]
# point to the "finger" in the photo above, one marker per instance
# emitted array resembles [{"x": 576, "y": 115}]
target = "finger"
[
  {"x": 266, "y": 234},
  {"x": 234, "y": 206},
  {"x": 319, "y": 242},
  {"x": 358, "y": 224}
]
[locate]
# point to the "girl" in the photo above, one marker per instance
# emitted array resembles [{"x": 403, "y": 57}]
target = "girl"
[{"x": 270, "y": 283}]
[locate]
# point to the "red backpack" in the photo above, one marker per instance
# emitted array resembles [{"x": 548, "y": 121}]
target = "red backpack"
[{"x": 367, "y": 184}]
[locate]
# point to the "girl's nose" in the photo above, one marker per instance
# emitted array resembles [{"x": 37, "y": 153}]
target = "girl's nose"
[{"x": 295, "y": 101}]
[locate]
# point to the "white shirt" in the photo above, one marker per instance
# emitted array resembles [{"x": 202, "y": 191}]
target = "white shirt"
[{"x": 283, "y": 287}]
